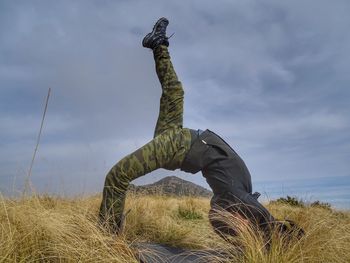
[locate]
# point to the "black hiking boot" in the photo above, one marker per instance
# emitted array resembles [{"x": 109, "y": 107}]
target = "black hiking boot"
[{"x": 158, "y": 35}]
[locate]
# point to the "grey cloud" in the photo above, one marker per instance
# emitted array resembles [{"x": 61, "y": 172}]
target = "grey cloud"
[{"x": 271, "y": 77}]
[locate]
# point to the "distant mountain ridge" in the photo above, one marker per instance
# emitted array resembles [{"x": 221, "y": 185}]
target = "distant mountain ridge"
[{"x": 172, "y": 185}]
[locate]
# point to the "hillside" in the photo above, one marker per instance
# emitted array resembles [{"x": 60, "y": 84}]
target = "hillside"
[{"x": 172, "y": 185}]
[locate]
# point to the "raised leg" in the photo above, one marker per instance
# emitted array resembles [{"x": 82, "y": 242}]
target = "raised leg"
[{"x": 171, "y": 101}]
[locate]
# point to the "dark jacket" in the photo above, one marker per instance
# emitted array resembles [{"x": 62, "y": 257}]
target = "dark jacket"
[{"x": 226, "y": 174}]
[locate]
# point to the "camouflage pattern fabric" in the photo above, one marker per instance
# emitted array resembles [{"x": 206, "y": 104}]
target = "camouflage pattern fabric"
[
  {"x": 171, "y": 101},
  {"x": 167, "y": 150}
]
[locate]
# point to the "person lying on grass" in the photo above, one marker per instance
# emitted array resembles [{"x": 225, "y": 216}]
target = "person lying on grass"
[{"x": 175, "y": 147}]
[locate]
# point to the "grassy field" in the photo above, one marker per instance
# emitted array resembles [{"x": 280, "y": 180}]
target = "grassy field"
[{"x": 53, "y": 229}]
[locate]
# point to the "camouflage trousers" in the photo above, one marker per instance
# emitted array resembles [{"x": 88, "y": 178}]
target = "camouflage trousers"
[{"x": 167, "y": 150}]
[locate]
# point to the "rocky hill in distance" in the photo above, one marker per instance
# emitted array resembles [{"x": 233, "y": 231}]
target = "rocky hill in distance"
[{"x": 171, "y": 185}]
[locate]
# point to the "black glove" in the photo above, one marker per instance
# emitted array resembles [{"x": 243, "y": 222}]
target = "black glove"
[{"x": 290, "y": 228}]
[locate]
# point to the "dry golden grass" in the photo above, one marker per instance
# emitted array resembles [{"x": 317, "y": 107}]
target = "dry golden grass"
[
  {"x": 52, "y": 229},
  {"x": 47, "y": 229}
]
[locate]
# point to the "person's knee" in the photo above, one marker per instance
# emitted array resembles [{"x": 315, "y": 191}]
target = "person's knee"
[{"x": 117, "y": 177}]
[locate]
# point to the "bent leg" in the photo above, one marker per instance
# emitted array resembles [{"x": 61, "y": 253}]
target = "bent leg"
[
  {"x": 171, "y": 101},
  {"x": 165, "y": 151}
]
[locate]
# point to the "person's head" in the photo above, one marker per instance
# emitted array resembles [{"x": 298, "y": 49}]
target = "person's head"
[{"x": 229, "y": 223}]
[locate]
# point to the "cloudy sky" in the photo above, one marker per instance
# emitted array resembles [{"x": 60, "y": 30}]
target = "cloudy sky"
[{"x": 271, "y": 77}]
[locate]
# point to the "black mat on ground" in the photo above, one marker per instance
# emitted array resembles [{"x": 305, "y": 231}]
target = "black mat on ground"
[{"x": 158, "y": 253}]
